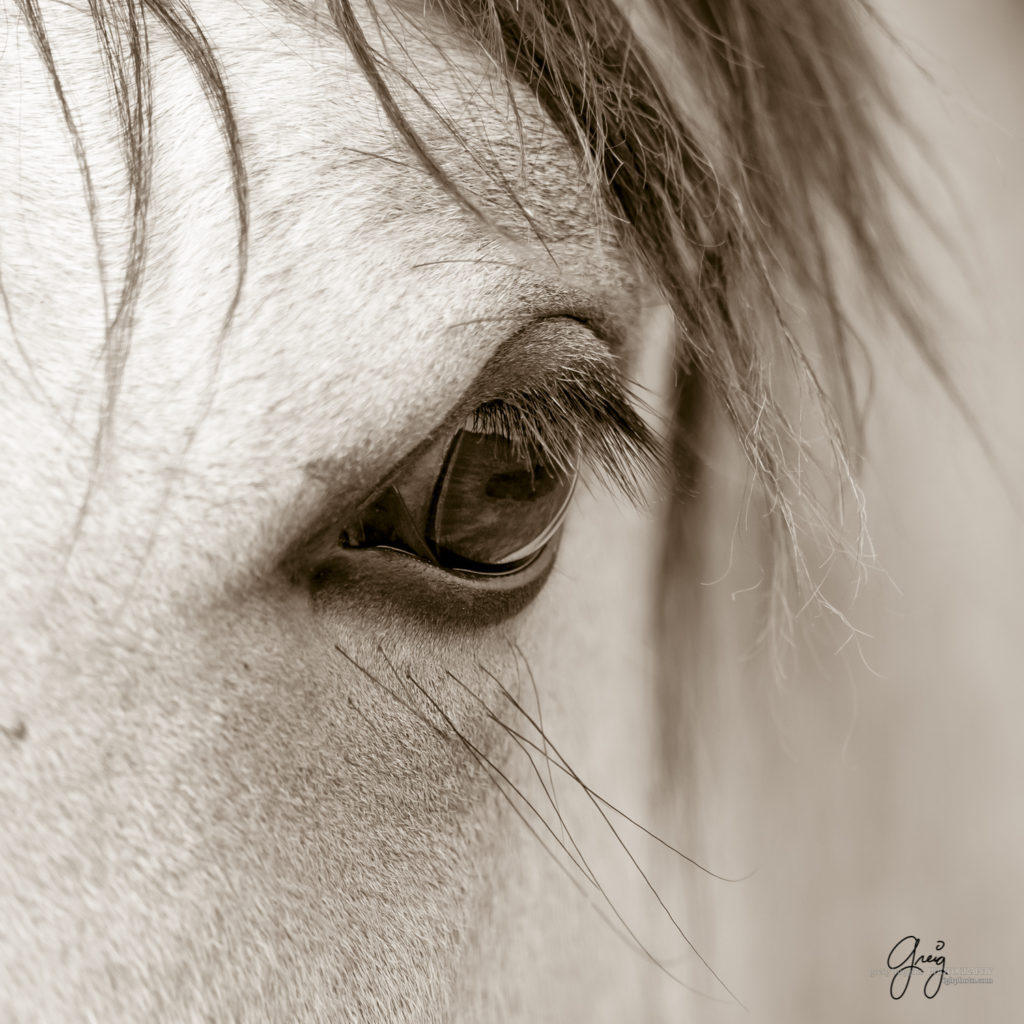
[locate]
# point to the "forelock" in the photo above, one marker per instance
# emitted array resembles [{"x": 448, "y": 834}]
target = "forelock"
[{"x": 734, "y": 147}]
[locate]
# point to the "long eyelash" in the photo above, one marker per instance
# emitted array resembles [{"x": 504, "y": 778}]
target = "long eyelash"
[{"x": 584, "y": 414}]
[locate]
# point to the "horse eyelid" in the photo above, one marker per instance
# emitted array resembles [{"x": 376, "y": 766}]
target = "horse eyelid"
[
  {"x": 578, "y": 411},
  {"x": 574, "y": 406},
  {"x": 581, "y": 417},
  {"x": 585, "y": 415}
]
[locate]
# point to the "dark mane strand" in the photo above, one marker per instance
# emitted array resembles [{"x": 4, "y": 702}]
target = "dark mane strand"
[{"x": 122, "y": 29}]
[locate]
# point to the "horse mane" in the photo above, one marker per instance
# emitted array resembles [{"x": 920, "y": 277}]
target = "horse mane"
[
  {"x": 738, "y": 148},
  {"x": 734, "y": 146}
]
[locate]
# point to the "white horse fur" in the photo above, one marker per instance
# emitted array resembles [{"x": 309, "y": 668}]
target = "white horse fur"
[{"x": 230, "y": 795}]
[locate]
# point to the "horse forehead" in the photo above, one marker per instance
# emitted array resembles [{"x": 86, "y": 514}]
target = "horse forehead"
[{"x": 360, "y": 270}]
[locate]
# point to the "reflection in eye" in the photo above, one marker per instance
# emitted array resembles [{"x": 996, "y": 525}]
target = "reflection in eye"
[
  {"x": 496, "y": 506},
  {"x": 490, "y": 508}
]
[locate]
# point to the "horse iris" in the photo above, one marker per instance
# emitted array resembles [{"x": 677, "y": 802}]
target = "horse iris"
[{"x": 494, "y": 506}]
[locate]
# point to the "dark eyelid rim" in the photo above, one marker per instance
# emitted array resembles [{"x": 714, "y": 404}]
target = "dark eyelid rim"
[{"x": 386, "y": 581}]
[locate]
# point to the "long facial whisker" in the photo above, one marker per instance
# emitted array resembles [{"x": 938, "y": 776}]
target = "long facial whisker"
[
  {"x": 556, "y": 763},
  {"x": 415, "y": 712},
  {"x": 622, "y": 843},
  {"x": 622, "y": 929},
  {"x": 637, "y": 942},
  {"x": 563, "y": 766},
  {"x": 485, "y": 763},
  {"x": 543, "y": 734},
  {"x": 495, "y": 773},
  {"x": 518, "y": 740},
  {"x": 483, "y": 759}
]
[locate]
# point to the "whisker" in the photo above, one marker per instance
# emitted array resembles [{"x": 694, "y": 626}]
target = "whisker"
[
  {"x": 562, "y": 765},
  {"x": 625, "y": 847},
  {"x": 550, "y": 797},
  {"x": 495, "y": 774},
  {"x": 622, "y": 814},
  {"x": 415, "y": 712},
  {"x": 568, "y": 770},
  {"x": 544, "y": 738},
  {"x": 485, "y": 761},
  {"x": 625, "y": 932}
]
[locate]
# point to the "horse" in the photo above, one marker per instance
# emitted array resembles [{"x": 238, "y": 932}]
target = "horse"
[{"x": 472, "y": 545}]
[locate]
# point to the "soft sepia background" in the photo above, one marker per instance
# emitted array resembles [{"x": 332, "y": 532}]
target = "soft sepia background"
[{"x": 882, "y": 787}]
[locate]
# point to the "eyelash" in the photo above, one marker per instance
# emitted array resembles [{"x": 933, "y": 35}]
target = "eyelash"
[
  {"x": 568, "y": 418},
  {"x": 586, "y": 416}
]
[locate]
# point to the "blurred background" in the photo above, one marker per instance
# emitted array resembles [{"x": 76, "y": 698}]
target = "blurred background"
[{"x": 880, "y": 790}]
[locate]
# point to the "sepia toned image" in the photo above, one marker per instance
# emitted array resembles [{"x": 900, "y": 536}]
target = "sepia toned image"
[{"x": 511, "y": 511}]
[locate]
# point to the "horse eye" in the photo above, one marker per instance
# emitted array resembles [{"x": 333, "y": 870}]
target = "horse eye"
[{"x": 494, "y": 507}]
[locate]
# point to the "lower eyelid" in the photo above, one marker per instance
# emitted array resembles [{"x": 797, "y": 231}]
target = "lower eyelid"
[{"x": 381, "y": 582}]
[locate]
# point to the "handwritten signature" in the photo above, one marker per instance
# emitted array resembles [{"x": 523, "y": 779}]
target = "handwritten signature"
[{"x": 904, "y": 959}]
